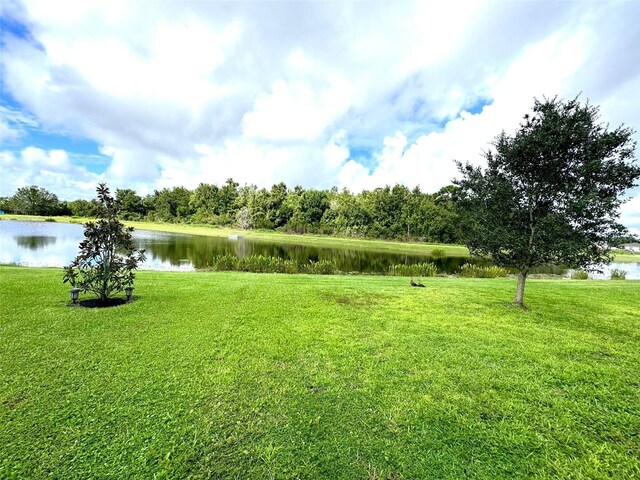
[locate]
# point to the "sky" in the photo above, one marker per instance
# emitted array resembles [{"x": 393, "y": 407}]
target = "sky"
[{"x": 153, "y": 94}]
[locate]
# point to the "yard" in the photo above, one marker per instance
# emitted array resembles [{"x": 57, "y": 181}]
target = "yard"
[{"x": 235, "y": 375}]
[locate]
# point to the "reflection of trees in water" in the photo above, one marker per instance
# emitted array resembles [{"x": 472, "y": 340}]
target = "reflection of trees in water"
[
  {"x": 174, "y": 250},
  {"x": 34, "y": 242},
  {"x": 199, "y": 251}
]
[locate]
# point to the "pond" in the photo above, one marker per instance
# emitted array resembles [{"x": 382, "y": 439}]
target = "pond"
[{"x": 52, "y": 244}]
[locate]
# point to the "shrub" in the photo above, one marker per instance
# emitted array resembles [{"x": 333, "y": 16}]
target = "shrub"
[
  {"x": 321, "y": 267},
  {"x": 267, "y": 264},
  {"x": 107, "y": 257},
  {"x": 438, "y": 253},
  {"x": 479, "y": 271},
  {"x": 617, "y": 274},
  {"x": 426, "y": 269},
  {"x": 580, "y": 274}
]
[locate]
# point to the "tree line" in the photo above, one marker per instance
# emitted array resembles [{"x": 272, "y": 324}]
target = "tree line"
[{"x": 390, "y": 212}]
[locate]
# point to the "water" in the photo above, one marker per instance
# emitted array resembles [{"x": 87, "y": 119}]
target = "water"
[{"x": 51, "y": 244}]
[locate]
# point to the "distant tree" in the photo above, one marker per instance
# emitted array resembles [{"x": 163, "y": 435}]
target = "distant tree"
[
  {"x": 311, "y": 208},
  {"x": 169, "y": 205},
  {"x": 204, "y": 203},
  {"x": 386, "y": 207},
  {"x": 35, "y": 200},
  {"x": 447, "y": 222},
  {"x": 83, "y": 208},
  {"x": 625, "y": 238},
  {"x": 276, "y": 212},
  {"x": 130, "y": 204},
  {"x": 107, "y": 258},
  {"x": 346, "y": 215},
  {"x": 227, "y": 198},
  {"x": 5, "y": 204},
  {"x": 290, "y": 210},
  {"x": 550, "y": 193}
]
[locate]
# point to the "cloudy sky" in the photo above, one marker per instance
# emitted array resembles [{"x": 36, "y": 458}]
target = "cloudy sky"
[{"x": 150, "y": 94}]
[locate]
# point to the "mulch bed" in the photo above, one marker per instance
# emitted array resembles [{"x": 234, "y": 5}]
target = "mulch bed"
[{"x": 97, "y": 303}]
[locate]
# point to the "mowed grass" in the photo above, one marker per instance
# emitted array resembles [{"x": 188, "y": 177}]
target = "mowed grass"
[{"x": 235, "y": 375}]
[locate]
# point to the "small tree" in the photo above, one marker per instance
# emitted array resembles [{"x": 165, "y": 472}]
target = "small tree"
[
  {"x": 550, "y": 194},
  {"x": 107, "y": 258}
]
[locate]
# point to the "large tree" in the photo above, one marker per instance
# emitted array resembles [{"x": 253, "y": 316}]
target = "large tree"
[
  {"x": 35, "y": 200},
  {"x": 550, "y": 193}
]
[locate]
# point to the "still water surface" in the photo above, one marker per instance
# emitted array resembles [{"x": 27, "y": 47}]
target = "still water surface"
[{"x": 52, "y": 244}]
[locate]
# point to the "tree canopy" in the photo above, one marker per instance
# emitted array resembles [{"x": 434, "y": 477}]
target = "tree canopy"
[
  {"x": 550, "y": 193},
  {"x": 33, "y": 200}
]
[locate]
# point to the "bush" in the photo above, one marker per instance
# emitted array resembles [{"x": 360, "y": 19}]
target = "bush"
[
  {"x": 267, "y": 264},
  {"x": 438, "y": 253},
  {"x": 426, "y": 269},
  {"x": 478, "y": 271},
  {"x": 580, "y": 274},
  {"x": 617, "y": 274},
  {"x": 321, "y": 267}
]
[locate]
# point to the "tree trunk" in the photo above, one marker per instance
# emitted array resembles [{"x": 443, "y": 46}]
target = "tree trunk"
[{"x": 522, "y": 278}]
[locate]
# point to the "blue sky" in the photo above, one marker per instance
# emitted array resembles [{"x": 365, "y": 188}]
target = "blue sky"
[{"x": 147, "y": 95}]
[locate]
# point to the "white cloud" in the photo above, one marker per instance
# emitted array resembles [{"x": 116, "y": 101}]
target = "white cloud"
[
  {"x": 14, "y": 124},
  {"x": 52, "y": 169},
  {"x": 178, "y": 93},
  {"x": 630, "y": 213}
]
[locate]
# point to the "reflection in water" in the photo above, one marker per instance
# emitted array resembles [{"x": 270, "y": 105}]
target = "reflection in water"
[
  {"x": 34, "y": 242},
  {"x": 56, "y": 244},
  {"x": 200, "y": 251}
]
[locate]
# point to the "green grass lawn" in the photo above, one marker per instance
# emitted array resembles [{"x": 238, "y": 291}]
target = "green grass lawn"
[{"x": 235, "y": 375}]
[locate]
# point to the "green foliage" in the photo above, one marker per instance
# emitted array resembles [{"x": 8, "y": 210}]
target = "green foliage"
[
  {"x": 34, "y": 200},
  {"x": 169, "y": 205},
  {"x": 618, "y": 274},
  {"x": 625, "y": 237},
  {"x": 425, "y": 269},
  {"x": 387, "y": 213},
  {"x": 551, "y": 192},
  {"x": 321, "y": 267},
  {"x": 580, "y": 274},
  {"x": 83, "y": 208},
  {"x": 437, "y": 253},
  {"x": 107, "y": 259},
  {"x": 268, "y": 264},
  {"x": 481, "y": 271},
  {"x": 130, "y": 205}
]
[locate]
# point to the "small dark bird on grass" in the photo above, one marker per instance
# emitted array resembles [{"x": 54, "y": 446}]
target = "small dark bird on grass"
[
  {"x": 419, "y": 284},
  {"x": 413, "y": 284}
]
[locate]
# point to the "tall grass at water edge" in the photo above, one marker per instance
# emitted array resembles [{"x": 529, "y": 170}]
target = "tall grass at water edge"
[{"x": 480, "y": 271}]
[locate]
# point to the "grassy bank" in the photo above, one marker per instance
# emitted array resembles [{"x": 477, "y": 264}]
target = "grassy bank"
[
  {"x": 626, "y": 257},
  {"x": 232, "y": 375},
  {"x": 272, "y": 236}
]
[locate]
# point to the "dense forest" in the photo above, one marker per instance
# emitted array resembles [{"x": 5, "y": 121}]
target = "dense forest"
[{"x": 388, "y": 212}]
